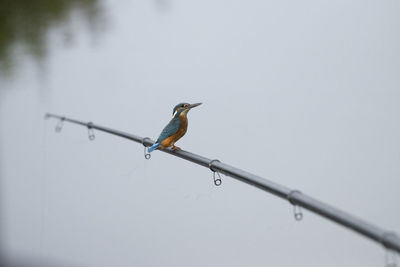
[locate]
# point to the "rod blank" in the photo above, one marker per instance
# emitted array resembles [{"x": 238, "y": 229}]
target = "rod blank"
[{"x": 388, "y": 239}]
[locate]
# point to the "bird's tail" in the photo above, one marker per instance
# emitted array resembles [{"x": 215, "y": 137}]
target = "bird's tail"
[{"x": 153, "y": 147}]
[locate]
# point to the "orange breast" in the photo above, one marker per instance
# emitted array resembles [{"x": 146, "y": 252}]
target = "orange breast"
[{"x": 170, "y": 141}]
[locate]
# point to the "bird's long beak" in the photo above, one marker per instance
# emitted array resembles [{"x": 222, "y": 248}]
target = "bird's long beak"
[{"x": 194, "y": 105}]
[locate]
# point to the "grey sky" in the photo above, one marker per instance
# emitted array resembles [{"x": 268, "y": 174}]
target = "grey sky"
[{"x": 305, "y": 93}]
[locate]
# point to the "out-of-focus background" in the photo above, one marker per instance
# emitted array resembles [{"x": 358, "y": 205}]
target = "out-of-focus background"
[{"x": 305, "y": 93}]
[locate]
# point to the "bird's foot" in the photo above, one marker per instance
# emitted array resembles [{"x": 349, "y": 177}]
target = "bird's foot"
[{"x": 175, "y": 148}]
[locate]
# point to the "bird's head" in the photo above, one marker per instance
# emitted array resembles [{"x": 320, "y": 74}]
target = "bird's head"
[{"x": 183, "y": 108}]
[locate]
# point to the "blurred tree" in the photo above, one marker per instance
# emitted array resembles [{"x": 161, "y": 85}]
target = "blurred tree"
[{"x": 26, "y": 23}]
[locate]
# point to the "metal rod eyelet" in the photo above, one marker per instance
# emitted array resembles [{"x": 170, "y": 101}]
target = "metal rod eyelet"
[
  {"x": 90, "y": 131},
  {"x": 146, "y": 153},
  {"x": 217, "y": 180},
  {"x": 297, "y": 212},
  {"x": 60, "y": 125}
]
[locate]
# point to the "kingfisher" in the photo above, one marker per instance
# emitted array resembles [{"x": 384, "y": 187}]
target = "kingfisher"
[{"x": 175, "y": 129}]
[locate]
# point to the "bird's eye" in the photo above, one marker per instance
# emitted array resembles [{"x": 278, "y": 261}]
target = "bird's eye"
[{"x": 183, "y": 105}]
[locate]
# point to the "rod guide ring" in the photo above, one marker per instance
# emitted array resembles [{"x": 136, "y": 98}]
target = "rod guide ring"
[
  {"x": 144, "y": 141},
  {"x": 211, "y": 163},
  {"x": 290, "y": 196}
]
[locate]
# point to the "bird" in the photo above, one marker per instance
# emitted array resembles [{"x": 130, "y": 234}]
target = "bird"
[{"x": 175, "y": 129}]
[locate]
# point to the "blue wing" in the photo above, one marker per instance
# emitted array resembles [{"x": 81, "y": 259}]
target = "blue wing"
[{"x": 171, "y": 128}]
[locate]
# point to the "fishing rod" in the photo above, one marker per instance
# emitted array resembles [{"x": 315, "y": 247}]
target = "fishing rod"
[{"x": 388, "y": 239}]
